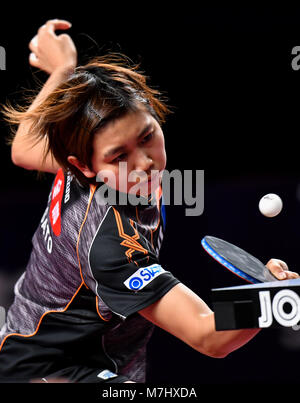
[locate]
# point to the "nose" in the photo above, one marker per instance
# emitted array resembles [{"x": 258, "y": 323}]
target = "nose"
[{"x": 143, "y": 162}]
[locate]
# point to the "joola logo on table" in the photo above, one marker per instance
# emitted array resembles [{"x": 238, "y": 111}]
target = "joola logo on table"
[
  {"x": 143, "y": 276},
  {"x": 284, "y": 308}
]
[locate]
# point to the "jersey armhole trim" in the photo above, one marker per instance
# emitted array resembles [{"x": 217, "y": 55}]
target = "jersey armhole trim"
[{"x": 97, "y": 308}]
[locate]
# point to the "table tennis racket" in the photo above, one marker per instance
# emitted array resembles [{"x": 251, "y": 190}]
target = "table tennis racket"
[{"x": 237, "y": 260}]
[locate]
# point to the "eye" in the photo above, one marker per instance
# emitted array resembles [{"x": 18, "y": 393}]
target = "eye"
[
  {"x": 119, "y": 158},
  {"x": 147, "y": 138}
]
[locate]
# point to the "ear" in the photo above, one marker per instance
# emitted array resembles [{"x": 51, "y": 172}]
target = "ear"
[{"x": 82, "y": 167}]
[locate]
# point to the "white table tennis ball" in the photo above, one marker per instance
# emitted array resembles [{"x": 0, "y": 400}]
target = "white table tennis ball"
[{"x": 270, "y": 205}]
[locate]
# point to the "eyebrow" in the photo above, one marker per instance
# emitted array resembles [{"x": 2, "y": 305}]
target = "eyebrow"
[{"x": 118, "y": 149}]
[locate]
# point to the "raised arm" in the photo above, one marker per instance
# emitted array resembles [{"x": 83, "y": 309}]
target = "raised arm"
[{"x": 57, "y": 56}]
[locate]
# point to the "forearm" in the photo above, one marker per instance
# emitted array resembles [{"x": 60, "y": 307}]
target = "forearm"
[
  {"x": 25, "y": 151},
  {"x": 194, "y": 323},
  {"x": 219, "y": 344}
]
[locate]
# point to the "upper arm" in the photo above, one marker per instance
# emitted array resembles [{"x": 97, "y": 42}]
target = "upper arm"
[
  {"x": 183, "y": 314},
  {"x": 29, "y": 156}
]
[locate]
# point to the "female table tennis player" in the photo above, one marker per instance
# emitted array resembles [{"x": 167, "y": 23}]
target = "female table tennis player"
[{"x": 93, "y": 288}]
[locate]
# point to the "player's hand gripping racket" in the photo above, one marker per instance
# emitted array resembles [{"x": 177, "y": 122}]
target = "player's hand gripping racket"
[{"x": 237, "y": 260}]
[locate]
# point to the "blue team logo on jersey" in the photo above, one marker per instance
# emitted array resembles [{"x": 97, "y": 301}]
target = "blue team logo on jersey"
[
  {"x": 143, "y": 276},
  {"x": 135, "y": 283}
]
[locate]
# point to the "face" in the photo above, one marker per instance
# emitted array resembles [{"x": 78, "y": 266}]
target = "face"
[{"x": 129, "y": 153}]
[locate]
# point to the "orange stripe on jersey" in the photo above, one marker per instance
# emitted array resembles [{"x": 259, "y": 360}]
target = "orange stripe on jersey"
[
  {"x": 129, "y": 241},
  {"x": 158, "y": 195},
  {"x": 41, "y": 318},
  {"x": 92, "y": 192}
]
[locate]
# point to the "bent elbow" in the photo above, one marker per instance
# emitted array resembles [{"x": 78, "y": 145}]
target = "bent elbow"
[
  {"x": 15, "y": 158},
  {"x": 212, "y": 351},
  {"x": 18, "y": 160},
  {"x": 216, "y": 353}
]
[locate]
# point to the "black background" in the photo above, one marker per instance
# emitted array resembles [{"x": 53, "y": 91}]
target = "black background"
[{"x": 228, "y": 75}]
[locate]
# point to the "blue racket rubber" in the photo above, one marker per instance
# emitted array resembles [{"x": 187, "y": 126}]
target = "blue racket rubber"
[{"x": 231, "y": 256}]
